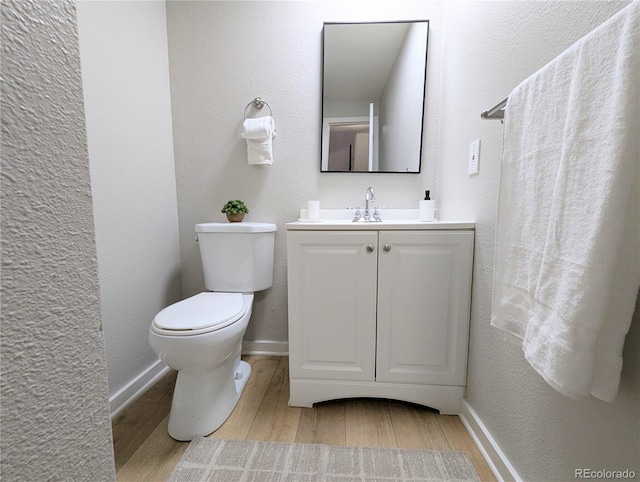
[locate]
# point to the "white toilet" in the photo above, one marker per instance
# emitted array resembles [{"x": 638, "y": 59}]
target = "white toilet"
[{"x": 201, "y": 337}]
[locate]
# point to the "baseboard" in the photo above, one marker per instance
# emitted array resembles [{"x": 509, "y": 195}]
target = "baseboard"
[
  {"x": 136, "y": 387},
  {"x": 495, "y": 457},
  {"x": 265, "y": 347}
]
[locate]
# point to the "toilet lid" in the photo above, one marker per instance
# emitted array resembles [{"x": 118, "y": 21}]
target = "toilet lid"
[{"x": 201, "y": 313}]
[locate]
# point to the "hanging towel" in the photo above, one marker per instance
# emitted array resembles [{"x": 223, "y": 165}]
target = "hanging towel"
[
  {"x": 567, "y": 271},
  {"x": 259, "y": 133}
]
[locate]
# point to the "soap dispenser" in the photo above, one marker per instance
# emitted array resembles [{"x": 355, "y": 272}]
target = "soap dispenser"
[{"x": 427, "y": 208}]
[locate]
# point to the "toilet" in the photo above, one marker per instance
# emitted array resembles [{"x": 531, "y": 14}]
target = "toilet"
[{"x": 201, "y": 336}]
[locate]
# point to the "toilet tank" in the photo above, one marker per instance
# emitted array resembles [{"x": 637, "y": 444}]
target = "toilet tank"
[{"x": 236, "y": 257}]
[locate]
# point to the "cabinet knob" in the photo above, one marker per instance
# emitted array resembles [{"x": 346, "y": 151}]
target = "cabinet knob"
[
  {"x": 370, "y": 248},
  {"x": 387, "y": 247}
]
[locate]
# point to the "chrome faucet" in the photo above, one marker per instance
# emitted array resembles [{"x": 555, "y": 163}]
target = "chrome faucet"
[
  {"x": 367, "y": 216},
  {"x": 368, "y": 196}
]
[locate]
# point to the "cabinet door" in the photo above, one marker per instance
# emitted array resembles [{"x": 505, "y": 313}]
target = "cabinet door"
[
  {"x": 423, "y": 306},
  {"x": 332, "y": 304}
]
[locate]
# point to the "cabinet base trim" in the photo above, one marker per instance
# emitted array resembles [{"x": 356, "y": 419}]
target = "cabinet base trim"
[{"x": 446, "y": 399}]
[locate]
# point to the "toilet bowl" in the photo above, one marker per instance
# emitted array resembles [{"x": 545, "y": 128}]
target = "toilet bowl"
[{"x": 201, "y": 336}]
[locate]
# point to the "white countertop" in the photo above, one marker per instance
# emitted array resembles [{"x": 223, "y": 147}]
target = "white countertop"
[
  {"x": 373, "y": 226},
  {"x": 392, "y": 219}
]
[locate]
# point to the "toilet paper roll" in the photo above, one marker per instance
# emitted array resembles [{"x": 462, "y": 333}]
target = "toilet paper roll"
[{"x": 313, "y": 209}]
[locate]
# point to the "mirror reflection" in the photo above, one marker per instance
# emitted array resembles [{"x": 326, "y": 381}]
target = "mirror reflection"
[{"x": 373, "y": 96}]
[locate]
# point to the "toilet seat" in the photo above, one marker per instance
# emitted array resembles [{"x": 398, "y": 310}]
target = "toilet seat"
[{"x": 202, "y": 313}]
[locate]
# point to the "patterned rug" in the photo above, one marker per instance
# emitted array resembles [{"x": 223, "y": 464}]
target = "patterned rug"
[{"x": 247, "y": 460}]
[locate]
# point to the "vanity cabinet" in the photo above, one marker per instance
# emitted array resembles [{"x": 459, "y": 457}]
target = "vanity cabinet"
[{"x": 379, "y": 313}]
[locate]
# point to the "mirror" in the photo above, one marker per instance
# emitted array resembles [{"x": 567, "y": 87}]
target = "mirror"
[{"x": 373, "y": 96}]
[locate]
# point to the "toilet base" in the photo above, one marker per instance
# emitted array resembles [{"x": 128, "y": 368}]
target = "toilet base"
[{"x": 202, "y": 401}]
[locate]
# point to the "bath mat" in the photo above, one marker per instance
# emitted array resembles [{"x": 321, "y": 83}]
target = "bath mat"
[{"x": 248, "y": 460}]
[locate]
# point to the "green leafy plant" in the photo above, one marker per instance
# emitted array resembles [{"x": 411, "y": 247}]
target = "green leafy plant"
[{"x": 235, "y": 207}]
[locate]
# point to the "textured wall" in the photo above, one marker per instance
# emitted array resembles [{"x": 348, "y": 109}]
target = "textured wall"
[
  {"x": 125, "y": 72},
  {"x": 490, "y": 47},
  {"x": 55, "y": 415},
  {"x": 224, "y": 54}
]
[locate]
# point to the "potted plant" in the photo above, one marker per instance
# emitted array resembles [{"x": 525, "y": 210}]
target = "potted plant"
[{"x": 235, "y": 210}]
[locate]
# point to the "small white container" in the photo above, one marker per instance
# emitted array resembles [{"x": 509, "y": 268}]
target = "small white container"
[
  {"x": 426, "y": 210},
  {"x": 313, "y": 210}
]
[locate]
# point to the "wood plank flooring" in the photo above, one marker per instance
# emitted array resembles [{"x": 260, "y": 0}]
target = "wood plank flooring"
[{"x": 144, "y": 451}]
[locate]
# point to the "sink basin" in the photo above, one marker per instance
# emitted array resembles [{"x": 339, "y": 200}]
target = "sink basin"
[{"x": 346, "y": 215}]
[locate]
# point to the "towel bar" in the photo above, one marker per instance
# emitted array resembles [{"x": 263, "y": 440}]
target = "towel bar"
[
  {"x": 496, "y": 112},
  {"x": 258, "y": 104}
]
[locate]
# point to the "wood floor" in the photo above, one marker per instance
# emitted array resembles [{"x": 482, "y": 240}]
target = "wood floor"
[{"x": 144, "y": 451}]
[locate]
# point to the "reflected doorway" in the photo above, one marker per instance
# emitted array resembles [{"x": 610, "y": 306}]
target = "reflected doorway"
[{"x": 349, "y": 147}]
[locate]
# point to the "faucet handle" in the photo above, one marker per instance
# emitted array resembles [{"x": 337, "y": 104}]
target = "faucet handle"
[
  {"x": 357, "y": 216},
  {"x": 376, "y": 215}
]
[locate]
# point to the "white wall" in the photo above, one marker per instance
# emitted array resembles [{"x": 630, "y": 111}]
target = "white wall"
[
  {"x": 125, "y": 72},
  {"x": 55, "y": 416},
  {"x": 490, "y": 47},
  {"x": 223, "y": 55}
]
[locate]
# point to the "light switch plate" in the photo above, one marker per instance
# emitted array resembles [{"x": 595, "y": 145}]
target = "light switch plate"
[{"x": 474, "y": 157}]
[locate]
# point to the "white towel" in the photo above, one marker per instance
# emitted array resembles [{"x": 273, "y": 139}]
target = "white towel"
[
  {"x": 259, "y": 133},
  {"x": 567, "y": 256}
]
